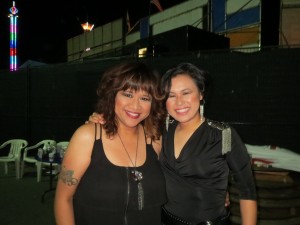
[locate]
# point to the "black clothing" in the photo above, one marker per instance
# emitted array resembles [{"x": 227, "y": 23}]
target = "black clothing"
[
  {"x": 170, "y": 219},
  {"x": 108, "y": 195},
  {"x": 197, "y": 180}
]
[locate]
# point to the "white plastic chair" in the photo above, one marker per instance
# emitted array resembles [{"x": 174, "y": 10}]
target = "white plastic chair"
[
  {"x": 30, "y": 154},
  {"x": 14, "y": 154},
  {"x": 60, "y": 146}
]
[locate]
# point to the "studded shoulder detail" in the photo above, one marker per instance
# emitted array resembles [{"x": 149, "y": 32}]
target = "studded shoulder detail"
[
  {"x": 226, "y": 134},
  {"x": 217, "y": 124}
]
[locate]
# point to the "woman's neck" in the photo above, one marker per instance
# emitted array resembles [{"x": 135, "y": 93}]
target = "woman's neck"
[
  {"x": 128, "y": 131},
  {"x": 190, "y": 125}
]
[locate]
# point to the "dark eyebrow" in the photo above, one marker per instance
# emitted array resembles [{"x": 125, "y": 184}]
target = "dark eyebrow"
[{"x": 128, "y": 90}]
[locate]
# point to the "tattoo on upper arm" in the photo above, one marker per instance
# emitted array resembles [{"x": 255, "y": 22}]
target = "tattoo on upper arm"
[{"x": 67, "y": 176}]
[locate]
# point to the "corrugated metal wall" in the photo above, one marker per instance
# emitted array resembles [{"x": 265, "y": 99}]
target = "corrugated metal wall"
[{"x": 98, "y": 41}]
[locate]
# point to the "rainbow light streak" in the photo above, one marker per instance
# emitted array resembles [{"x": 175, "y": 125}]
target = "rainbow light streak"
[{"x": 13, "y": 37}]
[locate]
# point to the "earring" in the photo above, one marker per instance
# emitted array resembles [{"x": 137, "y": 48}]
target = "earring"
[
  {"x": 202, "y": 110},
  {"x": 167, "y": 121}
]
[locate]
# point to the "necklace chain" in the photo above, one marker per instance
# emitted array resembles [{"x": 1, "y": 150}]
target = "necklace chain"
[
  {"x": 136, "y": 150},
  {"x": 136, "y": 175}
]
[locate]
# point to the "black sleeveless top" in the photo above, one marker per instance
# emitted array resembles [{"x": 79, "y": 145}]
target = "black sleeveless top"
[{"x": 107, "y": 194}]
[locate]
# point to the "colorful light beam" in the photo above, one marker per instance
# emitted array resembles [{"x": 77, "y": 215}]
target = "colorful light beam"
[{"x": 13, "y": 37}]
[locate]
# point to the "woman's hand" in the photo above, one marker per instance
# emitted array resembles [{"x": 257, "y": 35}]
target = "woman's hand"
[
  {"x": 227, "y": 200},
  {"x": 95, "y": 118}
]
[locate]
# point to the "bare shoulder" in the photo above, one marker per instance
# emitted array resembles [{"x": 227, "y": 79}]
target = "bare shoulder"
[
  {"x": 83, "y": 138},
  {"x": 85, "y": 132},
  {"x": 78, "y": 153}
]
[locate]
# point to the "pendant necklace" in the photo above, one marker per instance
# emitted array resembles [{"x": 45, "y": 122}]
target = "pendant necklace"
[{"x": 136, "y": 175}]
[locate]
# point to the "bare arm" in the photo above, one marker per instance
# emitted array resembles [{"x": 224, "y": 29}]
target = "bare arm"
[
  {"x": 248, "y": 212},
  {"x": 74, "y": 165}
]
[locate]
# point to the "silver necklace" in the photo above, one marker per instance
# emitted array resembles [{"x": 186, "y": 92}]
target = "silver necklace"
[{"x": 137, "y": 175}]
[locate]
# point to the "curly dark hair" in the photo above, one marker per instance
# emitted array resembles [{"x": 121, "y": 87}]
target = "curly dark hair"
[{"x": 133, "y": 75}]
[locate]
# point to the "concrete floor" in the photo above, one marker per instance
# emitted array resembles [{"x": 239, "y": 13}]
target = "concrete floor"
[{"x": 20, "y": 200}]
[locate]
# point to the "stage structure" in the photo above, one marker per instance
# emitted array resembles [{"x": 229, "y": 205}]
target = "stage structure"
[{"x": 13, "y": 37}]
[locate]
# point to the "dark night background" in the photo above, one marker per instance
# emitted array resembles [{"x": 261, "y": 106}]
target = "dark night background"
[
  {"x": 256, "y": 92},
  {"x": 45, "y": 26}
]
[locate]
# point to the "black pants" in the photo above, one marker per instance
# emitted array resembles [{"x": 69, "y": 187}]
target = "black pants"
[{"x": 170, "y": 219}]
